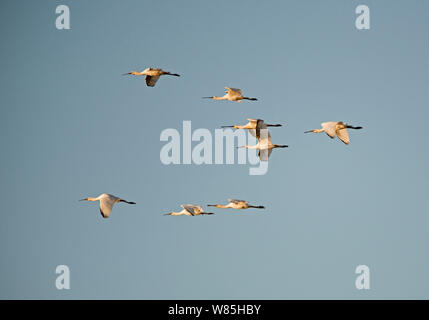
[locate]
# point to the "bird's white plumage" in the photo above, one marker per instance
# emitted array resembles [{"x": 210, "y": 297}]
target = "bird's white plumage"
[
  {"x": 106, "y": 203},
  {"x": 232, "y": 94},
  {"x": 236, "y": 204},
  {"x": 338, "y": 129},
  {"x": 189, "y": 210},
  {"x": 193, "y": 209},
  {"x": 330, "y": 128},
  {"x": 152, "y": 75},
  {"x": 343, "y": 135}
]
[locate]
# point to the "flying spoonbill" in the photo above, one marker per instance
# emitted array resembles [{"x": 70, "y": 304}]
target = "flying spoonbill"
[
  {"x": 189, "y": 210},
  {"x": 338, "y": 129},
  {"x": 106, "y": 203},
  {"x": 264, "y": 145},
  {"x": 236, "y": 204},
  {"x": 232, "y": 94},
  {"x": 152, "y": 75},
  {"x": 254, "y": 126}
]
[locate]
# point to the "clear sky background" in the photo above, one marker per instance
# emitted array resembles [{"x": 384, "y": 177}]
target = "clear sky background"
[{"x": 71, "y": 126}]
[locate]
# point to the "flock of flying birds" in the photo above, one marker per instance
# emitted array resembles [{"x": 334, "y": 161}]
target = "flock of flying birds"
[{"x": 256, "y": 127}]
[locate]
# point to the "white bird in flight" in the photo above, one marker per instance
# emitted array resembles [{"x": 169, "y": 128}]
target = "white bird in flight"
[
  {"x": 264, "y": 145},
  {"x": 232, "y": 94},
  {"x": 106, "y": 203},
  {"x": 254, "y": 126},
  {"x": 236, "y": 204},
  {"x": 189, "y": 210},
  {"x": 152, "y": 75},
  {"x": 338, "y": 129}
]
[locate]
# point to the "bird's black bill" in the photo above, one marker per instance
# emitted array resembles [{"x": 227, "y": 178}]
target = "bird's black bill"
[{"x": 127, "y": 202}]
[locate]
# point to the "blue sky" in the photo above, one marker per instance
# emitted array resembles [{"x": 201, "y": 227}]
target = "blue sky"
[{"x": 72, "y": 127}]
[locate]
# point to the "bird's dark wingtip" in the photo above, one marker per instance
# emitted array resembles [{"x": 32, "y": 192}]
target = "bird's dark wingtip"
[{"x": 103, "y": 215}]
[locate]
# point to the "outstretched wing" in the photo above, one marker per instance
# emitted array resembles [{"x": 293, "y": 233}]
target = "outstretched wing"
[
  {"x": 343, "y": 135},
  {"x": 258, "y": 125},
  {"x": 264, "y": 154},
  {"x": 264, "y": 137},
  {"x": 233, "y": 91},
  {"x": 330, "y": 128},
  {"x": 192, "y": 209},
  {"x": 254, "y": 122},
  {"x": 151, "y": 80},
  {"x": 236, "y": 201},
  {"x": 106, "y": 206},
  {"x": 254, "y": 132}
]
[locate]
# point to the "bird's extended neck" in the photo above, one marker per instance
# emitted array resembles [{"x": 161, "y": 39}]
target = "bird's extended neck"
[
  {"x": 251, "y": 147},
  {"x": 219, "y": 98},
  {"x": 134, "y": 73},
  {"x": 315, "y": 131},
  {"x": 174, "y": 214}
]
